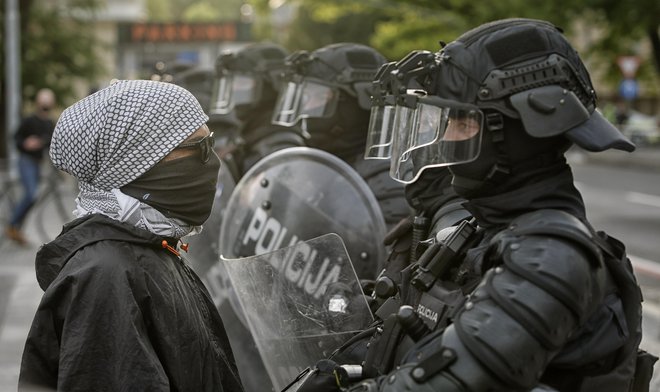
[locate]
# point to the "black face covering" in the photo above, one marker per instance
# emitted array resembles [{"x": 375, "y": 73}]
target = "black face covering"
[
  {"x": 345, "y": 133},
  {"x": 431, "y": 190},
  {"x": 524, "y": 156},
  {"x": 470, "y": 178},
  {"x": 182, "y": 188}
]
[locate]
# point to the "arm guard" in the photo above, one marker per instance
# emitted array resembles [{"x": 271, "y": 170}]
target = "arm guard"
[{"x": 549, "y": 280}]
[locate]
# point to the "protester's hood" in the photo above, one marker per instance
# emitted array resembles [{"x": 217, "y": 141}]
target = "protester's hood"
[{"x": 75, "y": 235}]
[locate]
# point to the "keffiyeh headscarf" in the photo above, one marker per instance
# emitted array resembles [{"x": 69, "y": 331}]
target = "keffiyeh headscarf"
[{"x": 115, "y": 135}]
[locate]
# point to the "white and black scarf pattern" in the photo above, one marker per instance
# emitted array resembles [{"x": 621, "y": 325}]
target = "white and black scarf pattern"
[{"x": 115, "y": 135}]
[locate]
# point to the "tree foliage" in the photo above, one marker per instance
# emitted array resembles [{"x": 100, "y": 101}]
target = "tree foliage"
[
  {"x": 57, "y": 49},
  {"x": 311, "y": 29},
  {"x": 602, "y": 30},
  {"x": 62, "y": 49},
  {"x": 193, "y": 10}
]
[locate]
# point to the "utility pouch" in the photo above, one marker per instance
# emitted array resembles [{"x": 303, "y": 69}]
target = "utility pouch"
[
  {"x": 382, "y": 349},
  {"x": 643, "y": 371},
  {"x": 440, "y": 257}
]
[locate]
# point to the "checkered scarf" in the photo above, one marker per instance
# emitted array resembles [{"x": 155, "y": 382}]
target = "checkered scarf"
[{"x": 115, "y": 135}]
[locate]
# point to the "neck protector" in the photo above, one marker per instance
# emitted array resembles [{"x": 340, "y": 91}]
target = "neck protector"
[{"x": 554, "y": 192}]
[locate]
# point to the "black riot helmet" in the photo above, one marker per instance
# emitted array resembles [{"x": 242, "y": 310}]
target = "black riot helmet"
[
  {"x": 327, "y": 94},
  {"x": 198, "y": 80},
  {"x": 507, "y": 97},
  {"x": 247, "y": 79}
]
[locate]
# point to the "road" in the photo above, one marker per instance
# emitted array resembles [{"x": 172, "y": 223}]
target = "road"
[{"x": 624, "y": 201}]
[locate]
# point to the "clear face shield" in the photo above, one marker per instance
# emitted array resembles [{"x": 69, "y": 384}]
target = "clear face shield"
[
  {"x": 381, "y": 130},
  {"x": 433, "y": 132},
  {"x": 232, "y": 90},
  {"x": 305, "y": 98}
]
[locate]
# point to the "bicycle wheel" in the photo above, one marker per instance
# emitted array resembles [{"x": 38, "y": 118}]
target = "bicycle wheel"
[
  {"x": 51, "y": 210},
  {"x": 7, "y": 204}
]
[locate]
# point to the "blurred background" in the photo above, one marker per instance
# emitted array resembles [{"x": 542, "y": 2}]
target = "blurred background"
[{"x": 75, "y": 47}]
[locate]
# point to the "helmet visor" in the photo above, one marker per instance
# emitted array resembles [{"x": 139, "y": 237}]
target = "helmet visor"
[
  {"x": 381, "y": 130},
  {"x": 434, "y": 133},
  {"x": 304, "y": 99},
  {"x": 233, "y": 90}
]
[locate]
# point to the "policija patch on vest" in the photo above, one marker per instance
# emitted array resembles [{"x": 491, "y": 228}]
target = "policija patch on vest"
[{"x": 431, "y": 310}]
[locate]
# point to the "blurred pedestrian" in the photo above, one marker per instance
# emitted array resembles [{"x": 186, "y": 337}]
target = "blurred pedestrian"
[
  {"x": 122, "y": 310},
  {"x": 32, "y": 139},
  {"x": 621, "y": 113}
]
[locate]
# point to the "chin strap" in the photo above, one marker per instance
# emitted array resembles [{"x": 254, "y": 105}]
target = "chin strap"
[{"x": 502, "y": 168}]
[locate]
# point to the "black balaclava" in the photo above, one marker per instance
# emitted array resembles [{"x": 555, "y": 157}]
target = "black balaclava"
[
  {"x": 343, "y": 134},
  {"x": 182, "y": 188},
  {"x": 267, "y": 98},
  {"x": 507, "y": 163},
  {"x": 431, "y": 190}
]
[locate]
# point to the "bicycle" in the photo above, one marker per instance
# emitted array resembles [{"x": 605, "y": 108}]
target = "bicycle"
[
  {"x": 7, "y": 197},
  {"x": 49, "y": 200}
]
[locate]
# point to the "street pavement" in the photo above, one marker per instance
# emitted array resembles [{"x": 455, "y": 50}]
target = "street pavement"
[{"x": 20, "y": 294}]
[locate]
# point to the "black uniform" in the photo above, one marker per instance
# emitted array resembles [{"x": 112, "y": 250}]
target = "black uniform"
[
  {"x": 260, "y": 138},
  {"x": 124, "y": 286},
  {"x": 34, "y": 126},
  {"x": 527, "y": 293},
  {"x": 529, "y": 268}
]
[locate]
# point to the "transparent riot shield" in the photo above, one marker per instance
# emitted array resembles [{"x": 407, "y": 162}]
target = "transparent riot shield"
[
  {"x": 300, "y": 303},
  {"x": 291, "y": 195}
]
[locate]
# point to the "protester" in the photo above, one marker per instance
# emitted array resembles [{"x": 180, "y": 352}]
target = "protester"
[
  {"x": 32, "y": 139},
  {"x": 121, "y": 309}
]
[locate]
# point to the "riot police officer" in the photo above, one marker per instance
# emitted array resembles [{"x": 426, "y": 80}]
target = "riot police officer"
[
  {"x": 527, "y": 293},
  {"x": 435, "y": 204},
  {"x": 245, "y": 90},
  {"x": 326, "y": 95}
]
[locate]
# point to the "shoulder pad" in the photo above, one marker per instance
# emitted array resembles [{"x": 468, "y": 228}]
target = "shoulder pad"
[
  {"x": 451, "y": 213},
  {"x": 555, "y": 223}
]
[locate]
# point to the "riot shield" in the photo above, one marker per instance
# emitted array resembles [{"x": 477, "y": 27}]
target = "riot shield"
[
  {"x": 300, "y": 193},
  {"x": 301, "y": 303},
  {"x": 291, "y": 195}
]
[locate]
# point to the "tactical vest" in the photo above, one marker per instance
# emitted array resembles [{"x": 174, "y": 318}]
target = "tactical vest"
[{"x": 435, "y": 307}]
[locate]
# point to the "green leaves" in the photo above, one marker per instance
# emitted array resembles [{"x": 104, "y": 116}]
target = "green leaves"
[{"x": 59, "y": 48}]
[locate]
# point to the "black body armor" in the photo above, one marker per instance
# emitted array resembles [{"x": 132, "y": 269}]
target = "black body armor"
[{"x": 556, "y": 304}]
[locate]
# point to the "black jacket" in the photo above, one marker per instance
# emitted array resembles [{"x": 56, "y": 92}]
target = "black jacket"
[
  {"x": 122, "y": 313},
  {"x": 34, "y": 126}
]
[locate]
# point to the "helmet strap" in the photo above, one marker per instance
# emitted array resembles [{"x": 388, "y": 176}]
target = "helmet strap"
[{"x": 502, "y": 168}]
